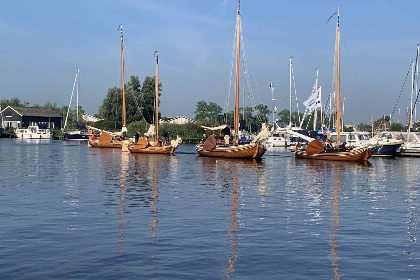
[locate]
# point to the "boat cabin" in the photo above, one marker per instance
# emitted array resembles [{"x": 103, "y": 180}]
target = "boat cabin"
[{"x": 20, "y": 117}]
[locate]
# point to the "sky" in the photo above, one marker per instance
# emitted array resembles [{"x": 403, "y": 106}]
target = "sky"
[{"x": 43, "y": 42}]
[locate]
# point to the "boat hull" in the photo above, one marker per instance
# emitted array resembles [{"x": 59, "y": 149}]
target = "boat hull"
[
  {"x": 76, "y": 137},
  {"x": 252, "y": 150},
  {"x": 385, "y": 150},
  {"x": 169, "y": 150},
  {"x": 110, "y": 145},
  {"x": 359, "y": 154}
]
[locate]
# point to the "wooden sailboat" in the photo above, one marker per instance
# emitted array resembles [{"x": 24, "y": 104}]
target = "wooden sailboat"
[
  {"x": 155, "y": 147},
  {"x": 256, "y": 148},
  {"x": 105, "y": 139},
  {"x": 315, "y": 148}
]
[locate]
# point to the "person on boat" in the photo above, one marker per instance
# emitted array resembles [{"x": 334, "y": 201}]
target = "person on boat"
[
  {"x": 136, "y": 137},
  {"x": 226, "y": 134},
  {"x": 204, "y": 138},
  {"x": 243, "y": 139},
  {"x": 165, "y": 137},
  {"x": 124, "y": 132},
  {"x": 342, "y": 146}
]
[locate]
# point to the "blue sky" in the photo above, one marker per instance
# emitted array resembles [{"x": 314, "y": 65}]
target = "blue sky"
[{"x": 42, "y": 43}]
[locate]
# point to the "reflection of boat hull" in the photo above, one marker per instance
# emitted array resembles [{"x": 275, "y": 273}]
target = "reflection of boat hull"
[
  {"x": 77, "y": 136},
  {"x": 97, "y": 144},
  {"x": 252, "y": 150},
  {"x": 385, "y": 150},
  {"x": 152, "y": 150},
  {"x": 353, "y": 155}
]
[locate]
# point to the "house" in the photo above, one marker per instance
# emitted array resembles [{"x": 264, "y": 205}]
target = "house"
[
  {"x": 18, "y": 117},
  {"x": 89, "y": 118},
  {"x": 175, "y": 120}
]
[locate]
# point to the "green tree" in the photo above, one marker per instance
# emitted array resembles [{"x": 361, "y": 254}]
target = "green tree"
[
  {"x": 147, "y": 100},
  {"x": 396, "y": 127},
  {"x": 207, "y": 111},
  {"x": 262, "y": 112},
  {"x": 12, "y": 102}
]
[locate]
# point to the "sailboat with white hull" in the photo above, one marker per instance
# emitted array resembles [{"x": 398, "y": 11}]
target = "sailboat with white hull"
[
  {"x": 80, "y": 133},
  {"x": 233, "y": 149}
]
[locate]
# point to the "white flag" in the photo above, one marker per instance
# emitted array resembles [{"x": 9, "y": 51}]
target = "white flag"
[{"x": 313, "y": 101}]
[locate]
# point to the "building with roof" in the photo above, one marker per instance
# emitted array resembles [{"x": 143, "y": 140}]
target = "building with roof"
[
  {"x": 19, "y": 117},
  {"x": 175, "y": 120}
]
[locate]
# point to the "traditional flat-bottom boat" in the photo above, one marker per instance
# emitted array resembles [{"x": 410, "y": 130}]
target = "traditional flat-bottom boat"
[
  {"x": 105, "y": 141},
  {"x": 143, "y": 146},
  {"x": 210, "y": 149},
  {"x": 315, "y": 150}
]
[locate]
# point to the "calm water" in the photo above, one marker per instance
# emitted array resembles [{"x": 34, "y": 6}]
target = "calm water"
[{"x": 68, "y": 211}]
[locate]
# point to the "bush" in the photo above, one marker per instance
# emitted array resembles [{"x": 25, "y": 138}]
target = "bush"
[{"x": 140, "y": 126}]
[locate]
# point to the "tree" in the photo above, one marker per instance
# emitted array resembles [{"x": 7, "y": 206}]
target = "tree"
[
  {"x": 261, "y": 113},
  {"x": 207, "y": 112},
  {"x": 12, "y": 102},
  {"x": 396, "y": 127},
  {"x": 147, "y": 100}
]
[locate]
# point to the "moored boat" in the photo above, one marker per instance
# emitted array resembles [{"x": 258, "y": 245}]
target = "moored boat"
[
  {"x": 34, "y": 132},
  {"x": 231, "y": 147}
]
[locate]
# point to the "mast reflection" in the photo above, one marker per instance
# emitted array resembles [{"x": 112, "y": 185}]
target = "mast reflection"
[
  {"x": 235, "y": 197},
  {"x": 335, "y": 225},
  {"x": 154, "y": 222},
  {"x": 120, "y": 214}
]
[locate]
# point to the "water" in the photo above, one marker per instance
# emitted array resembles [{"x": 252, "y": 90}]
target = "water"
[{"x": 71, "y": 212}]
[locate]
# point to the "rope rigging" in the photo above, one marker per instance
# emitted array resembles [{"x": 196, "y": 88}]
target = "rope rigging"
[{"x": 399, "y": 96}]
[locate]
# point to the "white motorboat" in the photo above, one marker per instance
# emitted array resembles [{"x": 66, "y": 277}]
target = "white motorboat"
[
  {"x": 34, "y": 132},
  {"x": 278, "y": 140},
  {"x": 411, "y": 142}
]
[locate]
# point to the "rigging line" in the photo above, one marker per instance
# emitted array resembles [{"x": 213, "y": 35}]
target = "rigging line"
[
  {"x": 294, "y": 86},
  {"x": 230, "y": 75},
  {"x": 398, "y": 99},
  {"x": 218, "y": 65},
  {"x": 352, "y": 67}
]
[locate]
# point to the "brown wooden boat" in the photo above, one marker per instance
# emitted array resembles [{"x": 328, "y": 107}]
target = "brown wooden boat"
[
  {"x": 144, "y": 146},
  {"x": 255, "y": 149},
  {"x": 251, "y": 150},
  {"x": 105, "y": 141},
  {"x": 315, "y": 150}
]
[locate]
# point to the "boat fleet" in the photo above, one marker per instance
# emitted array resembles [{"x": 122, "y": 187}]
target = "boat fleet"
[{"x": 327, "y": 144}]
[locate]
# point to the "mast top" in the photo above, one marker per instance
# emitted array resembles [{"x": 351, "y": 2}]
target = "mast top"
[
  {"x": 156, "y": 55},
  {"x": 338, "y": 16},
  {"x": 239, "y": 6},
  {"x": 121, "y": 30}
]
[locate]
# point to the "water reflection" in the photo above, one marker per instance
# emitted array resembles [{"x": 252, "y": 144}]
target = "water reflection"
[
  {"x": 228, "y": 173},
  {"x": 235, "y": 197},
  {"x": 120, "y": 213},
  {"x": 335, "y": 218},
  {"x": 154, "y": 222}
]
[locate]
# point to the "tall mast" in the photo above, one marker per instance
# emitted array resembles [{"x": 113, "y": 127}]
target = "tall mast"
[
  {"x": 272, "y": 99},
  {"x": 243, "y": 91},
  {"x": 290, "y": 91},
  {"x": 238, "y": 42},
  {"x": 122, "y": 76},
  {"x": 77, "y": 98},
  {"x": 157, "y": 96},
  {"x": 410, "y": 116},
  {"x": 338, "y": 77},
  {"x": 316, "y": 108}
]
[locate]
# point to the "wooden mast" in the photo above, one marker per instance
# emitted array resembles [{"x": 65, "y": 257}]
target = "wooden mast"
[
  {"x": 157, "y": 97},
  {"x": 122, "y": 76},
  {"x": 338, "y": 77},
  {"x": 238, "y": 41}
]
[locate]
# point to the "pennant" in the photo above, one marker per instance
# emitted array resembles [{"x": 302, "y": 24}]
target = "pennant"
[
  {"x": 155, "y": 53},
  {"x": 271, "y": 85},
  {"x": 335, "y": 13}
]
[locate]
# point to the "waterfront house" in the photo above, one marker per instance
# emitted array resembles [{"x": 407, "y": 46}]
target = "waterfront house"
[{"x": 22, "y": 117}]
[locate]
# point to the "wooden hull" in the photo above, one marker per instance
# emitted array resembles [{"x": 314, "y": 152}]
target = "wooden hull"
[
  {"x": 111, "y": 145},
  {"x": 169, "y": 150},
  {"x": 359, "y": 154},
  {"x": 252, "y": 150}
]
